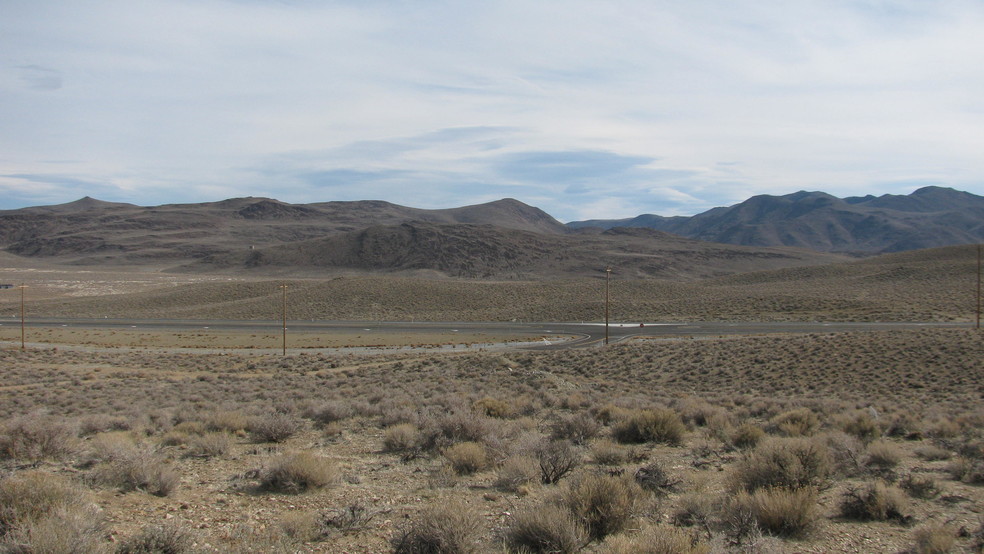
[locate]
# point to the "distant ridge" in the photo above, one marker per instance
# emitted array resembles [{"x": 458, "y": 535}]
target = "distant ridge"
[{"x": 929, "y": 217}]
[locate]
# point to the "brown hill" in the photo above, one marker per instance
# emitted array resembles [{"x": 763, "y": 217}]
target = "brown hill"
[
  {"x": 927, "y": 218},
  {"x": 90, "y": 231},
  {"x": 486, "y": 251}
]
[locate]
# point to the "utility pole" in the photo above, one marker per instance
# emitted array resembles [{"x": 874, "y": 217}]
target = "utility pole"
[
  {"x": 284, "y": 287},
  {"x": 978, "y": 324},
  {"x": 22, "y": 287},
  {"x": 608, "y": 278}
]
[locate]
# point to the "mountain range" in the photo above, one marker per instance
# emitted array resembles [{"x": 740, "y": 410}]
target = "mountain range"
[
  {"x": 865, "y": 225},
  {"x": 505, "y": 239}
]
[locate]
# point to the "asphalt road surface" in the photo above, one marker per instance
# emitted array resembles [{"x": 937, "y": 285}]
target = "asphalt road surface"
[{"x": 584, "y": 334}]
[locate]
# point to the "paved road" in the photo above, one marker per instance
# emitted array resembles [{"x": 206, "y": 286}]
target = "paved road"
[{"x": 585, "y": 334}]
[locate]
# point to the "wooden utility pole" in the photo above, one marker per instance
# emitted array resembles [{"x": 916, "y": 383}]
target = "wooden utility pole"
[
  {"x": 22, "y": 287},
  {"x": 978, "y": 324},
  {"x": 608, "y": 278},
  {"x": 284, "y": 287}
]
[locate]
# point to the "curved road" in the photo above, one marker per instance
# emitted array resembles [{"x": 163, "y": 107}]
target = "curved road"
[{"x": 586, "y": 334}]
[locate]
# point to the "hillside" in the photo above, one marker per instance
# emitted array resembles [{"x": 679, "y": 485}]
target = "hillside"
[
  {"x": 505, "y": 239},
  {"x": 927, "y": 218},
  {"x": 486, "y": 251},
  {"x": 90, "y": 232},
  {"x": 925, "y": 285}
]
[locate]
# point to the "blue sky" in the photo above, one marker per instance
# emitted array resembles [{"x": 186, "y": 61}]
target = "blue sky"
[{"x": 586, "y": 109}]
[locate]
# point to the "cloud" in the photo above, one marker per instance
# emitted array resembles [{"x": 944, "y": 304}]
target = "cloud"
[
  {"x": 643, "y": 107},
  {"x": 40, "y": 78}
]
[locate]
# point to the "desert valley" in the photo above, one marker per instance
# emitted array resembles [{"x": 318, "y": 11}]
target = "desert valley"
[{"x": 142, "y": 438}]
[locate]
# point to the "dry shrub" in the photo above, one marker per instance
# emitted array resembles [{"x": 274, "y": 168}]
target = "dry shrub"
[
  {"x": 658, "y": 539},
  {"x": 298, "y": 472},
  {"x": 801, "y": 422},
  {"x": 779, "y": 511},
  {"x": 36, "y": 437},
  {"x": 493, "y": 407},
  {"x": 101, "y": 423},
  {"x": 138, "y": 469},
  {"x": 444, "y": 528},
  {"x": 660, "y": 425},
  {"x": 544, "y": 529},
  {"x": 210, "y": 445},
  {"x": 933, "y": 453},
  {"x": 273, "y": 427},
  {"x": 934, "y": 539},
  {"x": 923, "y": 487},
  {"x": 602, "y": 503},
  {"x": 859, "y": 424},
  {"x": 785, "y": 463},
  {"x": 464, "y": 426},
  {"x": 555, "y": 460},
  {"x": 653, "y": 477},
  {"x": 34, "y": 495},
  {"x": 695, "y": 509},
  {"x": 875, "y": 501},
  {"x": 190, "y": 427},
  {"x": 230, "y": 421},
  {"x": 330, "y": 412},
  {"x": 846, "y": 451},
  {"x": 516, "y": 472},
  {"x": 607, "y": 453},
  {"x": 466, "y": 458},
  {"x": 610, "y": 413},
  {"x": 882, "y": 456},
  {"x": 158, "y": 539},
  {"x": 746, "y": 435},
  {"x": 578, "y": 428},
  {"x": 697, "y": 412},
  {"x": 967, "y": 470},
  {"x": 63, "y": 530},
  {"x": 401, "y": 437},
  {"x": 943, "y": 429}
]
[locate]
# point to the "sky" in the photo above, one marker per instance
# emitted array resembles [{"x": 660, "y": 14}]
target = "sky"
[{"x": 585, "y": 109}]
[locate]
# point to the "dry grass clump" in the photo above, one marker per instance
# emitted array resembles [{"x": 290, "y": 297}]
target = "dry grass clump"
[
  {"x": 789, "y": 463},
  {"x": 544, "y": 529},
  {"x": 400, "y": 438},
  {"x": 660, "y": 425},
  {"x": 934, "y": 539},
  {"x": 860, "y": 424},
  {"x": 745, "y": 435},
  {"x": 779, "y": 511},
  {"x": 209, "y": 445},
  {"x": 924, "y": 487},
  {"x": 801, "y": 422},
  {"x": 41, "y": 512},
  {"x": 440, "y": 528},
  {"x": 123, "y": 465},
  {"x": 298, "y": 472},
  {"x": 331, "y": 412},
  {"x": 578, "y": 428},
  {"x": 603, "y": 504},
  {"x": 158, "y": 539},
  {"x": 875, "y": 501},
  {"x": 608, "y": 453},
  {"x": 230, "y": 421},
  {"x": 882, "y": 456},
  {"x": 466, "y": 458},
  {"x": 967, "y": 470},
  {"x": 273, "y": 427},
  {"x": 657, "y": 539},
  {"x": 37, "y": 437},
  {"x": 516, "y": 472},
  {"x": 493, "y": 407}
]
